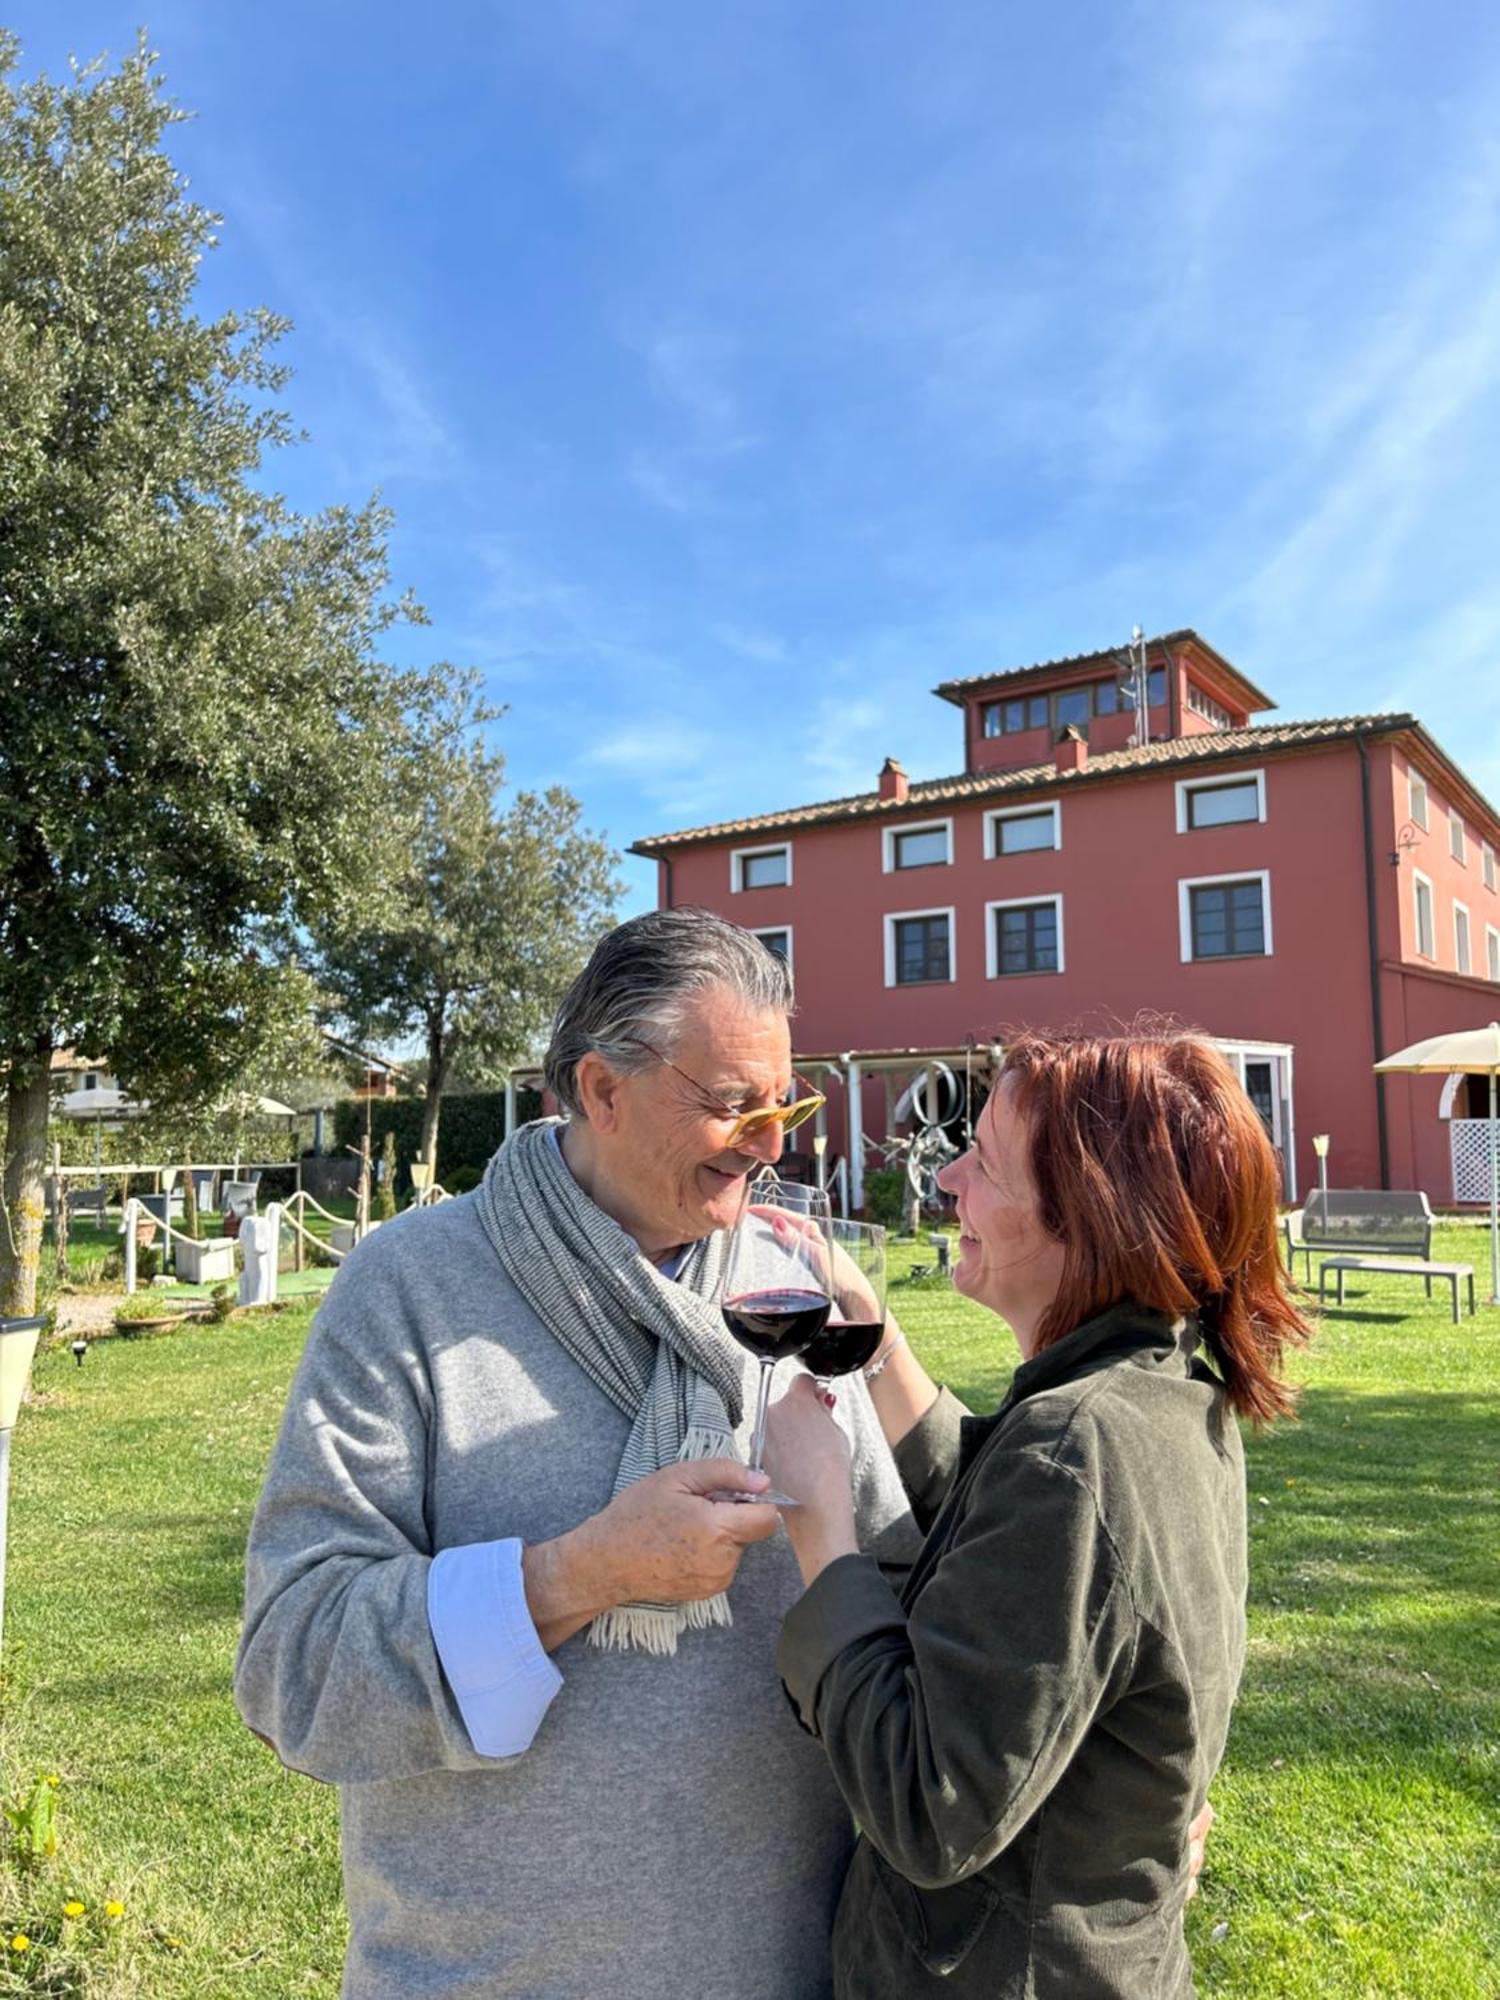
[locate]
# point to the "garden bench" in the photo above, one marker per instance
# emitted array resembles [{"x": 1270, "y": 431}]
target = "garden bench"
[
  {"x": 1419, "y": 1268},
  {"x": 1365, "y": 1222},
  {"x": 78, "y": 1199}
]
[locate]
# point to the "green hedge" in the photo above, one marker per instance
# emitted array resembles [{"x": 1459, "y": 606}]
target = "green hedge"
[
  {"x": 469, "y": 1130},
  {"x": 885, "y": 1196}
]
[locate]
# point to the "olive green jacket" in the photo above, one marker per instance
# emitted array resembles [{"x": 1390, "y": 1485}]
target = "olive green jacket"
[{"x": 1026, "y": 1732}]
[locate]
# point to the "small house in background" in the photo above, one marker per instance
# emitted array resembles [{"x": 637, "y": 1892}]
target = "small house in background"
[{"x": 1312, "y": 894}]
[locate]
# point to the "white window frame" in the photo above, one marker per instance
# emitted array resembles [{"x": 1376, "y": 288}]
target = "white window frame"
[
  {"x": 1491, "y": 952},
  {"x": 1463, "y": 961},
  {"x": 779, "y": 930},
  {"x": 739, "y": 855},
  {"x": 1487, "y": 854},
  {"x": 894, "y": 917},
  {"x": 1425, "y": 882},
  {"x": 1416, "y": 786},
  {"x": 1185, "y": 786},
  {"x": 998, "y": 813},
  {"x": 991, "y": 951},
  {"x": 1185, "y": 886},
  {"x": 1458, "y": 843},
  {"x": 888, "y": 844}
]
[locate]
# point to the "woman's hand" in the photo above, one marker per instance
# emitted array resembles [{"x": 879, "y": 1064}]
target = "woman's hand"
[{"x": 807, "y": 1456}]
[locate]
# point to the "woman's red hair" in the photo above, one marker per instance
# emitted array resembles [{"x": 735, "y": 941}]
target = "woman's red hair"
[{"x": 1154, "y": 1172}]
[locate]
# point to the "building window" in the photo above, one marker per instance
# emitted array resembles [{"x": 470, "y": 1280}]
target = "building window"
[
  {"x": 927, "y": 846},
  {"x": 1023, "y": 830},
  {"x": 1421, "y": 890},
  {"x": 1492, "y": 951},
  {"x": 1488, "y": 854},
  {"x": 1203, "y": 802},
  {"x": 1416, "y": 798},
  {"x": 778, "y": 941},
  {"x": 1456, "y": 837},
  {"x": 1205, "y": 705},
  {"x": 1225, "y": 916},
  {"x": 760, "y": 868},
  {"x": 919, "y": 948},
  {"x": 1024, "y": 937},
  {"x": 1071, "y": 707},
  {"x": 1062, "y": 707},
  {"x": 1008, "y": 718},
  {"x": 1461, "y": 960}
]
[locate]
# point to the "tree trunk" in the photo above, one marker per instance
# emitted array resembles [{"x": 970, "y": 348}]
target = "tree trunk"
[
  {"x": 27, "y": 1104},
  {"x": 439, "y": 1060}
]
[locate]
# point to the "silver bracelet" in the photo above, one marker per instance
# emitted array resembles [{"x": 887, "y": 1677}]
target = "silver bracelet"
[{"x": 884, "y": 1356}]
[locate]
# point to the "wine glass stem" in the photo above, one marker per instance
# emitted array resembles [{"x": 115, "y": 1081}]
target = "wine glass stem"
[{"x": 762, "y": 1404}]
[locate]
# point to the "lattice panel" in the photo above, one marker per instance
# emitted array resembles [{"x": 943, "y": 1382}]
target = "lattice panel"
[{"x": 1470, "y": 1140}]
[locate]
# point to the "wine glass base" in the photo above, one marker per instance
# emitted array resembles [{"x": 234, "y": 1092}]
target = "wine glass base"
[{"x": 733, "y": 1497}]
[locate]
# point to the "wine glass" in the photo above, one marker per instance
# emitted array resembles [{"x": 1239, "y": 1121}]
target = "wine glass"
[
  {"x": 852, "y": 1333},
  {"x": 774, "y": 1292},
  {"x": 798, "y": 1197}
]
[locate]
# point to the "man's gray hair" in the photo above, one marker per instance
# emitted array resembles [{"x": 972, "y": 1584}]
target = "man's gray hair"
[{"x": 632, "y": 995}]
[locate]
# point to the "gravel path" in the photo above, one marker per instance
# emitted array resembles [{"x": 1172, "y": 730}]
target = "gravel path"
[{"x": 86, "y": 1312}]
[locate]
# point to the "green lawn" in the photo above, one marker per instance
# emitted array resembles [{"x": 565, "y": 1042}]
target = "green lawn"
[{"x": 1356, "y": 1852}]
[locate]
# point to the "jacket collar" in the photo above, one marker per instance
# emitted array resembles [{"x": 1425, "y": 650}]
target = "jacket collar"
[{"x": 1120, "y": 1330}]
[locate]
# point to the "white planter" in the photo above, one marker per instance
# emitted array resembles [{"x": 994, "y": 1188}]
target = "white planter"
[
  {"x": 344, "y": 1235},
  {"x": 207, "y": 1263}
]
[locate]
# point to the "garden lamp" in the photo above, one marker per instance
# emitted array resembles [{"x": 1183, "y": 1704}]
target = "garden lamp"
[
  {"x": 1320, "y": 1147},
  {"x": 80, "y": 1348}
]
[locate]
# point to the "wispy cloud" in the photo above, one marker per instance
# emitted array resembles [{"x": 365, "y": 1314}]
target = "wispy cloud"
[{"x": 407, "y": 435}]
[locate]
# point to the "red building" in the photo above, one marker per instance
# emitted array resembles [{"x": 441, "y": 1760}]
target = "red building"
[{"x": 1312, "y": 894}]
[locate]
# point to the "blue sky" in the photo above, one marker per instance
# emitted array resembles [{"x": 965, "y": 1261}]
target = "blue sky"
[{"x": 736, "y": 374}]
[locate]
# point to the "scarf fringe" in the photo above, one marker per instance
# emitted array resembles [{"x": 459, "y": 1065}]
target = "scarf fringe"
[
  {"x": 655, "y": 1628},
  {"x": 702, "y": 1441}
]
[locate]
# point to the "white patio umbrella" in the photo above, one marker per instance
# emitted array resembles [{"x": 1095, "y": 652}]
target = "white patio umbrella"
[
  {"x": 1477, "y": 1052},
  {"x": 105, "y": 1103}
]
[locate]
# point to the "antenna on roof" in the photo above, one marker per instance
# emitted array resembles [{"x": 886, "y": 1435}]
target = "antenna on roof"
[{"x": 1138, "y": 686}]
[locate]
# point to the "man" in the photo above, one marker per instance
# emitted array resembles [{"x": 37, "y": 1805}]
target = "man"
[{"x": 487, "y": 1592}]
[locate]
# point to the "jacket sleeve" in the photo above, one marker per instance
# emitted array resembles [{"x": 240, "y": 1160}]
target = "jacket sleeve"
[
  {"x": 337, "y": 1668},
  {"x": 947, "y": 1725},
  {"x": 927, "y": 1457}
]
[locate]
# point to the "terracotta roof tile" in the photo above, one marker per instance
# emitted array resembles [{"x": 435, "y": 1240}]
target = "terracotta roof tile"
[
  {"x": 957, "y": 690},
  {"x": 1182, "y": 750}
]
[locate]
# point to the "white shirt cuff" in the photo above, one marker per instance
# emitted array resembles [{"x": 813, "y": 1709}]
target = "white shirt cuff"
[{"x": 501, "y": 1677}]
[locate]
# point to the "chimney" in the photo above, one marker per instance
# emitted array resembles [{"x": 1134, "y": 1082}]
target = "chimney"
[
  {"x": 894, "y": 783},
  {"x": 1072, "y": 749}
]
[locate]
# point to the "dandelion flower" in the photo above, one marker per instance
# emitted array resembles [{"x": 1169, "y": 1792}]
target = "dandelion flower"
[
  {"x": 20, "y": 1942},
  {"x": 114, "y": 1911},
  {"x": 75, "y": 1909}
]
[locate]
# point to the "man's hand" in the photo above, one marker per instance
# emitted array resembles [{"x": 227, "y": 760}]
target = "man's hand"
[
  {"x": 808, "y": 1457},
  {"x": 1197, "y": 1842},
  {"x": 660, "y": 1541}
]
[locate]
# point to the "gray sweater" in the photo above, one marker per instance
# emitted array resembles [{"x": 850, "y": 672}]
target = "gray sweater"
[{"x": 670, "y": 1831}]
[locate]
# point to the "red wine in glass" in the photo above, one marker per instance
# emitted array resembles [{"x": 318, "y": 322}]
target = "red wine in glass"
[
  {"x": 776, "y": 1324},
  {"x": 840, "y": 1349}
]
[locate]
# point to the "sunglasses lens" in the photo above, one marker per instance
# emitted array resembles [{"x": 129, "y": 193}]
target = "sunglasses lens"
[{"x": 798, "y": 1114}]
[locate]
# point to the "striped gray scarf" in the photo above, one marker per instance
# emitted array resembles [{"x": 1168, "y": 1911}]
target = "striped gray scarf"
[{"x": 655, "y": 1346}]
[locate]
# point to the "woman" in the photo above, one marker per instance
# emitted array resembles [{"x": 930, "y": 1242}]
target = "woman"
[{"x": 1026, "y": 1734}]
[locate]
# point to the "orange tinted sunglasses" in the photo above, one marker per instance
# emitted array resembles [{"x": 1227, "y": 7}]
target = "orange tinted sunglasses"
[{"x": 745, "y": 1124}]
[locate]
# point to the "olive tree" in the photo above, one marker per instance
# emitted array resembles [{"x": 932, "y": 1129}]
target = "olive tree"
[
  {"x": 482, "y": 921},
  {"x": 196, "y": 724}
]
